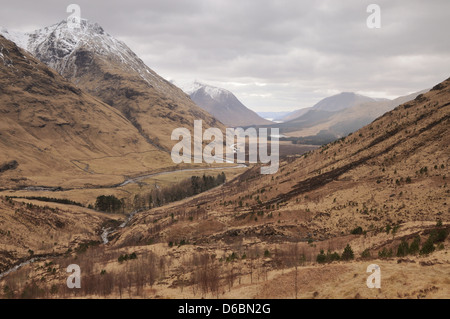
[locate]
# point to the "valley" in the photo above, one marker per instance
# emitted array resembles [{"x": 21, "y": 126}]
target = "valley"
[{"x": 92, "y": 174}]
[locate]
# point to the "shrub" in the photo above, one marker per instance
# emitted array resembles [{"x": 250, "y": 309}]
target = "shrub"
[
  {"x": 366, "y": 254},
  {"x": 122, "y": 258},
  {"x": 385, "y": 253},
  {"x": 321, "y": 258},
  {"x": 333, "y": 256},
  {"x": 232, "y": 257},
  {"x": 388, "y": 229},
  {"x": 348, "y": 253},
  {"x": 357, "y": 231}
]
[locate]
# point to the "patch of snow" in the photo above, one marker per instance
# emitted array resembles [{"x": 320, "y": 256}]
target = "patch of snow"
[
  {"x": 19, "y": 38},
  {"x": 58, "y": 44},
  {"x": 214, "y": 92}
]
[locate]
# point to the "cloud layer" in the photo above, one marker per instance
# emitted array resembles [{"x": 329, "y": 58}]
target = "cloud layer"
[{"x": 273, "y": 54}]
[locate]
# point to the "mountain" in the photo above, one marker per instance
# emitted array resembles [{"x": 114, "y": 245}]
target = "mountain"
[
  {"x": 345, "y": 121},
  {"x": 295, "y": 114},
  {"x": 322, "y": 111},
  {"x": 52, "y": 133},
  {"x": 333, "y": 103},
  {"x": 106, "y": 68},
  {"x": 223, "y": 105},
  {"x": 338, "y": 115},
  {"x": 341, "y": 101},
  {"x": 330, "y": 105}
]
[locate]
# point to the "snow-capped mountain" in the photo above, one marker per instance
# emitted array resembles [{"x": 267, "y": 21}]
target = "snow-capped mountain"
[
  {"x": 57, "y": 46},
  {"x": 108, "y": 69},
  {"x": 223, "y": 105}
]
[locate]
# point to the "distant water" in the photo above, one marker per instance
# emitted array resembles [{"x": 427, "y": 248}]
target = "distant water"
[
  {"x": 278, "y": 136},
  {"x": 271, "y": 119}
]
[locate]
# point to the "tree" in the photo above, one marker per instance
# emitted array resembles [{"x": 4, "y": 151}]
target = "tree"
[
  {"x": 321, "y": 258},
  {"x": 427, "y": 247},
  {"x": 348, "y": 253},
  {"x": 109, "y": 204},
  {"x": 357, "y": 231},
  {"x": 415, "y": 246},
  {"x": 403, "y": 249}
]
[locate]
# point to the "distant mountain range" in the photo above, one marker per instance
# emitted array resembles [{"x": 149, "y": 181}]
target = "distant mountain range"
[
  {"x": 337, "y": 116},
  {"x": 223, "y": 105}
]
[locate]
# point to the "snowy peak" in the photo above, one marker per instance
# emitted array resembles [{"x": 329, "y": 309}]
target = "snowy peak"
[
  {"x": 63, "y": 47},
  {"x": 213, "y": 92},
  {"x": 223, "y": 105}
]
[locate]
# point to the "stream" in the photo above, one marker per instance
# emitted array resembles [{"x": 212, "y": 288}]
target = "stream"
[
  {"x": 110, "y": 230},
  {"x": 104, "y": 236}
]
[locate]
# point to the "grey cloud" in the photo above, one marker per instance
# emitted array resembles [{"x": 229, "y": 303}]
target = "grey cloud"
[{"x": 302, "y": 50}]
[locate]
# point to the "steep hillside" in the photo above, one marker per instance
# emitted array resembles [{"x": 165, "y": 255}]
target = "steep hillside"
[
  {"x": 223, "y": 105},
  {"x": 106, "y": 68},
  {"x": 295, "y": 114},
  {"x": 393, "y": 171},
  {"x": 52, "y": 133}
]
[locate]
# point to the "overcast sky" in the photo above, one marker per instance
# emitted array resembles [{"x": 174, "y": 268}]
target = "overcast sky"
[{"x": 274, "y": 55}]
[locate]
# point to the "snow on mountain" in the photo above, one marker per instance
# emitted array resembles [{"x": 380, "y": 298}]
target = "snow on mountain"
[
  {"x": 56, "y": 46},
  {"x": 223, "y": 105},
  {"x": 214, "y": 92},
  {"x": 108, "y": 69}
]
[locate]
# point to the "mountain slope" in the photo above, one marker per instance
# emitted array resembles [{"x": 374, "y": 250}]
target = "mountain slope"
[
  {"x": 333, "y": 103},
  {"x": 340, "y": 115},
  {"x": 106, "y": 68},
  {"x": 51, "y": 130},
  {"x": 223, "y": 105},
  {"x": 295, "y": 114}
]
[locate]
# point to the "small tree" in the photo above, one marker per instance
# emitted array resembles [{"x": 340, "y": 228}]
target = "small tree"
[
  {"x": 357, "y": 231},
  {"x": 415, "y": 246},
  {"x": 348, "y": 253},
  {"x": 365, "y": 254},
  {"x": 403, "y": 249},
  {"x": 321, "y": 258},
  {"x": 427, "y": 248}
]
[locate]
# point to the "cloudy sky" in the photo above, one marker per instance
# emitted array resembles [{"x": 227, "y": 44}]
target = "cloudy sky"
[{"x": 275, "y": 55}]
